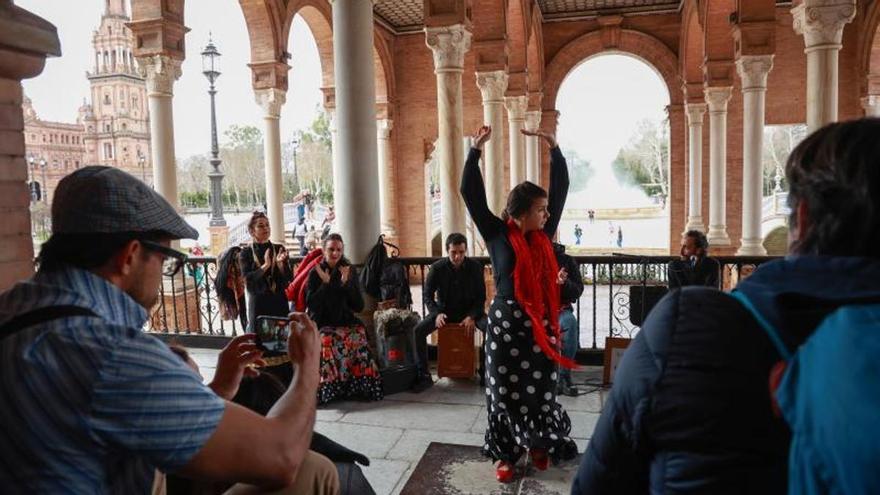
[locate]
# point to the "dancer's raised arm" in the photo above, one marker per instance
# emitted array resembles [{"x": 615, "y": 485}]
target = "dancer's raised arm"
[
  {"x": 558, "y": 191},
  {"x": 473, "y": 191}
]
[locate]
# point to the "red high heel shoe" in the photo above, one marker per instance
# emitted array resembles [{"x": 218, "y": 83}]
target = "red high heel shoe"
[
  {"x": 540, "y": 459},
  {"x": 505, "y": 472}
]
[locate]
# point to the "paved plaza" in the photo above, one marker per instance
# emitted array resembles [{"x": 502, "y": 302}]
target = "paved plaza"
[{"x": 394, "y": 433}]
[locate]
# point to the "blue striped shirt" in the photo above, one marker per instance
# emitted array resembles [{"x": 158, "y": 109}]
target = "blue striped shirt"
[{"x": 92, "y": 404}]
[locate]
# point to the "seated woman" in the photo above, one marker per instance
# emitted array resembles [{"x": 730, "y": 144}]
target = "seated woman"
[{"x": 333, "y": 294}]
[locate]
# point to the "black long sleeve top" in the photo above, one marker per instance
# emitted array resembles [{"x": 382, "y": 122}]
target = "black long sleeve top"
[
  {"x": 681, "y": 273},
  {"x": 334, "y": 304},
  {"x": 458, "y": 293},
  {"x": 265, "y": 288},
  {"x": 494, "y": 230},
  {"x": 571, "y": 290}
]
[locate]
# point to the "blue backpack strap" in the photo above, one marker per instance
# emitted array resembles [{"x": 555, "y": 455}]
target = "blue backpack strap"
[{"x": 769, "y": 329}]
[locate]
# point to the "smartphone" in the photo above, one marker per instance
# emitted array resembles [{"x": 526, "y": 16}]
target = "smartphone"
[{"x": 272, "y": 334}]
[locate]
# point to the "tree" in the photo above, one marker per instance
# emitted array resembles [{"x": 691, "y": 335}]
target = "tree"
[
  {"x": 242, "y": 155},
  {"x": 580, "y": 171},
  {"x": 314, "y": 160},
  {"x": 779, "y": 140},
  {"x": 644, "y": 160}
]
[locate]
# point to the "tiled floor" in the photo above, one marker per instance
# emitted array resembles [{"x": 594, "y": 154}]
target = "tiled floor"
[{"x": 395, "y": 432}]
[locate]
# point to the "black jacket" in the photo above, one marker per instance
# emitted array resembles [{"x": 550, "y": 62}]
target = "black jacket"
[
  {"x": 440, "y": 285},
  {"x": 690, "y": 409},
  {"x": 573, "y": 287},
  {"x": 333, "y": 304},
  {"x": 681, "y": 274}
]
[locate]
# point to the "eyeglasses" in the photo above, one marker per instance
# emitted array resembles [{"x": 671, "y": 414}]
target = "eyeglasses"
[{"x": 173, "y": 261}]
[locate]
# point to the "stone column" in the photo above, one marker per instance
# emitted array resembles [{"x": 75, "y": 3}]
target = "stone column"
[
  {"x": 533, "y": 147},
  {"x": 271, "y": 100},
  {"x": 753, "y": 70},
  {"x": 717, "y": 98},
  {"x": 357, "y": 188},
  {"x": 695, "y": 166},
  {"x": 160, "y": 72},
  {"x": 516, "y": 120},
  {"x": 492, "y": 86},
  {"x": 821, "y": 23},
  {"x": 386, "y": 178},
  {"x": 449, "y": 44},
  {"x": 871, "y": 104}
]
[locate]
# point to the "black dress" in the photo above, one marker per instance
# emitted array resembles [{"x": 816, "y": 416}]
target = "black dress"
[
  {"x": 520, "y": 379},
  {"x": 265, "y": 289}
]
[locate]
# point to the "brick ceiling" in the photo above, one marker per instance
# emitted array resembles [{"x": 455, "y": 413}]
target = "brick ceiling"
[{"x": 407, "y": 15}]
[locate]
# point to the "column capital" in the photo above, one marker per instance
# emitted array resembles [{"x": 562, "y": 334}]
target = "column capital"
[
  {"x": 160, "y": 72},
  {"x": 753, "y": 70},
  {"x": 821, "y": 23},
  {"x": 492, "y": 85},
  {"x": 271, "y": 100},
  {"x": 717, "y": 98},
  {"x": 449, "y": 44},
  {"x": 533, "y": 120},
  {"x": 383, "y": 128},
  {"x": 695, "y": 113},
  {"x": 516, "y": 107}
]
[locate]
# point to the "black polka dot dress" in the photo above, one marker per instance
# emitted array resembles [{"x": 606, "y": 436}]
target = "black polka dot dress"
[
  {"x": 521, "y": 390},
  {"x": 520, "y": 378}
]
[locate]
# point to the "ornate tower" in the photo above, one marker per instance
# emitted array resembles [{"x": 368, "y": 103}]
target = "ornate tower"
[{"x": 117, "y": 131}]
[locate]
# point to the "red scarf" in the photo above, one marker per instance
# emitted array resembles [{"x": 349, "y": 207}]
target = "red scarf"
[
  {"x": 535, "y": 288},
  {"x": 296, "y": 291}
]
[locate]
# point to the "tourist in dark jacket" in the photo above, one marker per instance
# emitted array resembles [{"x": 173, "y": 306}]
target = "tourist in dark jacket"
[
  {"x": 571, "y": 286},
  {"x": 690, "y": 411},
  {"x": 454, "y": 292},
  {"x": 333, "y": 296}
]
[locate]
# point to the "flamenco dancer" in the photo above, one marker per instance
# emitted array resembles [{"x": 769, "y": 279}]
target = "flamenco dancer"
[{"x": 522, "y": 337}]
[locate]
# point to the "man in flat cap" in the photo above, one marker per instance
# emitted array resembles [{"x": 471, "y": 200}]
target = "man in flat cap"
[{"x": 90, "y": 403}]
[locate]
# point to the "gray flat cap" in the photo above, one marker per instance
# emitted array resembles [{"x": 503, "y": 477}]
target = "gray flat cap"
[{"x": 99, "y": 199}]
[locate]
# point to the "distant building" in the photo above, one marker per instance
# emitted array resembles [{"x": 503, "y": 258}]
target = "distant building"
[{"x": 112, "y": 130}]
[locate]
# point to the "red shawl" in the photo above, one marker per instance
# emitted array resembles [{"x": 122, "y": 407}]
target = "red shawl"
[
  {"x": 296, "y": 291},
  {"x": 535, "y": 288}
]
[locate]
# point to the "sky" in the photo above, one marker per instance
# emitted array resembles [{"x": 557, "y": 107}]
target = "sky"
[
  {"x": 600, "y": 101},
  {"x": 236, "y": 104}
]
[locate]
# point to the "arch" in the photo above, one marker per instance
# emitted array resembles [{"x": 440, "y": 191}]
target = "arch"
[
  {"x": 319, "y": 18},
  {"x": 692, "y": 49},
  {"x": 535, "y": 56},
  {"x": 869, "y": 58},
  {"x": 517, "y": 36},
  {"x": 637, "y": 44}
]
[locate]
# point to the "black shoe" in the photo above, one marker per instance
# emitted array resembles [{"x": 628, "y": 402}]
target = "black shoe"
[
  {"x": 564, "y": 387},
  {"x": 424, "y": 382}
]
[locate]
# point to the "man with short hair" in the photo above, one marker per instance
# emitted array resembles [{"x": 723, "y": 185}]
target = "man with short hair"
[
  {"x": 454, "y": 292},
  {"x": 691, "y": 410},
  {"x": 695, "y": 266},
  {"x": 93, "y": 404}
]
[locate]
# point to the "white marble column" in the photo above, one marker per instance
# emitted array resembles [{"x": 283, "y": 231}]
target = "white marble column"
[
  {"x": 271, "y": 100},
  {"x": 357, "y": 191},
  {"x": 449, "y": 44},
  {"x": 821, "y": 23},
  {"x": 717, "y": 98},
  {"x": 533, "y": 147},
  {"x": 871, "y": 104},
  {"x": 695, "y": 113},
  {"x": 753, "y": 70},
  {"x": 386, "y": 177},
  {"x": 516, "y": 120},
  {"x": 160, "y": 73},
  {"x": 334, "y": 145},
  {"x": 492, "y": 86}
]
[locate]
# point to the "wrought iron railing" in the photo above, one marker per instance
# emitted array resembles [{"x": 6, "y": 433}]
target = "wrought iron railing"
[{"x": 188, "y": 303}]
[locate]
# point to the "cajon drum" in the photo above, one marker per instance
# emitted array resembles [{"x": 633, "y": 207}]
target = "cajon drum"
[{"x": 455, "y": 352}]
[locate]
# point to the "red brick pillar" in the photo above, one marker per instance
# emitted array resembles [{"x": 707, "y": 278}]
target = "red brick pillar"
[{"x": 25, "y": 42}]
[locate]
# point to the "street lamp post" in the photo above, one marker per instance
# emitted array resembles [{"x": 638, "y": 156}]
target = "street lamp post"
[
  {"x": 295, "y": 143},
  {"x": 44, "y": 187},
  {"x": 211, "y": 70}
]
